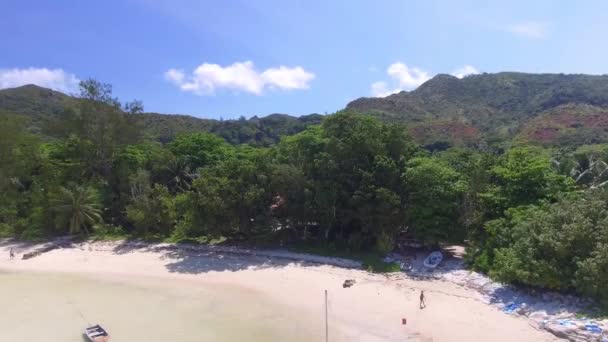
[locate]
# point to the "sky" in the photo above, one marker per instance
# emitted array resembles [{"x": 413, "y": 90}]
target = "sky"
[{"x": 227, "y": 58}]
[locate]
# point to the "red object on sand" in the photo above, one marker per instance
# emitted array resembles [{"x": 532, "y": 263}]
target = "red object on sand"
[{"x": 404, "y": 321}]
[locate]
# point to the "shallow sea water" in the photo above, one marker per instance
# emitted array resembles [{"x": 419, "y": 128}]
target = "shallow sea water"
[{"x": 56, "y": 307}]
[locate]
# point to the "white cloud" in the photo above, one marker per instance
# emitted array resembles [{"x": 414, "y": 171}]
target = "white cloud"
[
  {"x": 402, "y": 78},
  {"x": 380, "y": 89},
  {"x": 175, "y": 76},
  {"x": 56, "y": 79},
  {"x": 530, "y": 29},
  {"x": 465, "y": 71},
  {"x": 409, "y": 78},
  {"x": 240, "y": 76},
  {"x": 287, "y": 78}
]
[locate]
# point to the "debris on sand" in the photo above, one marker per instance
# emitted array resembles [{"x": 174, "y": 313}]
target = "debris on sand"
[{"x": 348, "y": 283}]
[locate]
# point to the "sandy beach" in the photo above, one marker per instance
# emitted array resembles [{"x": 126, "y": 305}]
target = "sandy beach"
[{"x": 168, "y": 292}]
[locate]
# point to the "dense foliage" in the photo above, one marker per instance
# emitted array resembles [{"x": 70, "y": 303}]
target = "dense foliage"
[
  {"x": 528, "y": 215},
  {"x": 561, "y": 246}
]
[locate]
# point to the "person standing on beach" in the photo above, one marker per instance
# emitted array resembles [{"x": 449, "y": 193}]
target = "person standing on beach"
[
  {"x": 422, "y": 302},
  {"x": 11, "y": 254}
]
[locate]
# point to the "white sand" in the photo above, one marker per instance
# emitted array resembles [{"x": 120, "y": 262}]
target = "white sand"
[{"x": 258, "y": 294}]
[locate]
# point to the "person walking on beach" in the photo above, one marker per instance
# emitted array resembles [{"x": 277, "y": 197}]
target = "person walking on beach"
[
  {"x": 11, "y": 254},
  {"x": 422, "y": 302}
]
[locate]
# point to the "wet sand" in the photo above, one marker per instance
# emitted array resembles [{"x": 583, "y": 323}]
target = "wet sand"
[{"x": 161, "y": 295}]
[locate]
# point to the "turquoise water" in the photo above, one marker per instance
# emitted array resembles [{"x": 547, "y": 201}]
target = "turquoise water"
[{"x": 57, "y": 307}]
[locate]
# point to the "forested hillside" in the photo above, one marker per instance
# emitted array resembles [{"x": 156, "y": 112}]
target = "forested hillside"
[
  {"x": 494, "y": 109},
  {"x": 38, "y": 104},
  {"x": 497, "y": 107},
  {"x": 44, "y": 107},
  {"x": 528, "y": 214}
]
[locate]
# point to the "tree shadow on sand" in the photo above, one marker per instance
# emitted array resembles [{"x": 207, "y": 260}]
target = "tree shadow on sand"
[
  {"x": 17, "y": 245},
  {"x": 197, "y": 259},
  {"x": 128, "y": 246},
  {"x": 32, "y": 249},
  {"x": 209, "y": 261}
]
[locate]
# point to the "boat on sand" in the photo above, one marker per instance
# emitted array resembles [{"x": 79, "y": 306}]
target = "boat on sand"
[
  {"x": 433, "y": 259},
  {"x": 96, "y": 333}
]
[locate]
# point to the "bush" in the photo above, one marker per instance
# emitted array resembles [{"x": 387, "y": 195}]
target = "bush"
[
  {"x": 32, "y": 234},
  {"x": 103, "y": 231},
  {"x": 152, "y": 211},
  {"x": 6, "y": 230},
  {"x": 561, "y": 246},
  {"x": 384, "y": 243},
  {"x": 376, "y": 265}
]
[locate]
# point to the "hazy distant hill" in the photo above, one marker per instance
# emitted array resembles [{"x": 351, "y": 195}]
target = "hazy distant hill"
[
  {"x": 498, "y": 106},
  {"x": 42, "y": 105}
]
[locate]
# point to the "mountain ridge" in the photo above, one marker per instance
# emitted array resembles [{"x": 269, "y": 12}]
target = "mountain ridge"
[
  {"x": 547, "y": 109},
  {"x": 496, "y": 105},
  {"x": 41, "y": 104}
]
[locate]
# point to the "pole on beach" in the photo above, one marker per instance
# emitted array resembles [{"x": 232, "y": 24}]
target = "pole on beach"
[{"x": 326, "y": 326}]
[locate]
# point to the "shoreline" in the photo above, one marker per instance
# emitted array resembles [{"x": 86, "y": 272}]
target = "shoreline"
[{"x": 373, "y": 307}]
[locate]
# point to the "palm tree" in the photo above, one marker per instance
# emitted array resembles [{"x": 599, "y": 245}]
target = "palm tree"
[
  {"x": 181, "y": 174},
  {"x": 79, "y": 206}
]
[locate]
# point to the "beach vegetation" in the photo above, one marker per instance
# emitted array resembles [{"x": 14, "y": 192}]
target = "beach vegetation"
[{"x": 347, "y": 185}]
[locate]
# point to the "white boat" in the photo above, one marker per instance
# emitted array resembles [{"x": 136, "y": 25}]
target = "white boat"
[
  {"x": 433, "y": 259},
  {"x": 96, "y": 333}
]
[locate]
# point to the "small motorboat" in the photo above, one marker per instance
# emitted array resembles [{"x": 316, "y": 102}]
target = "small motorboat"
[
  {"x": 433, "y": 259},
  {"x": 96, "y": 333}
]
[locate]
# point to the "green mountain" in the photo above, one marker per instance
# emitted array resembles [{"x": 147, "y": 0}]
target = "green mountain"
[
  {"x": 42, "y": 105},
  {"x": 549, "y": 109},
  {"x": 37, "y": 103},
  {"x": 498, "y": 106}
]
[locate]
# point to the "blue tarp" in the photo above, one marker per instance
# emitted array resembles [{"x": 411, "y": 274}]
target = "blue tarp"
[
  {"x": 594, "y": 328},
  {"x": 510, "y": 308},
  {"x": 565, "y": 322}
]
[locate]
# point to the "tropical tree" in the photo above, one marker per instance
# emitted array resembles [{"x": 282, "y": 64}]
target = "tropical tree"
[
  {"x": 200, "y": 149},
  {"x": 231, "y": 198},
  {"x": 560, "y": 246},
  {"x": 78, "y": 207},
  {"x": 349, "y": 180},
  {"x": 18, "y": 158},
  {"x": 101, "y": 126},
  {"x": 179, "y": 174},
  {"x": 435, "y": 194},
  {"x": 523, "y": 176}
]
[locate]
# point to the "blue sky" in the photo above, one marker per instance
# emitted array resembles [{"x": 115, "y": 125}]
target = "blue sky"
[{"x": 230, "y": 58}]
